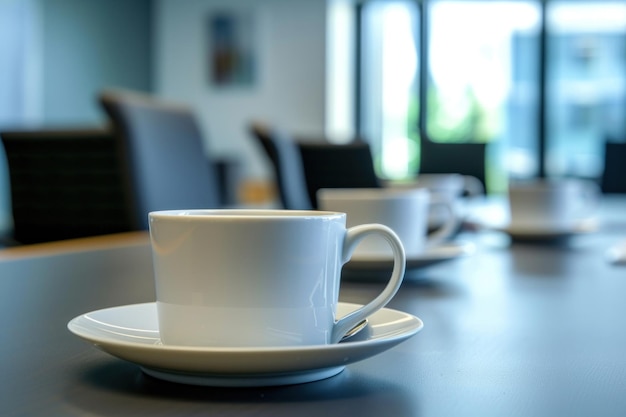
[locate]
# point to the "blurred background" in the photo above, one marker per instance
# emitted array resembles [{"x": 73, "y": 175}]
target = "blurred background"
[{"x": 542, "y": 82}]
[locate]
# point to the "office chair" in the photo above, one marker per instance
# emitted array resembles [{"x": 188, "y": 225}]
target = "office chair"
[
  {"x": 613, "y": 179},
  {"x": 161, "y": 146},
  {"x": 468, "y": 158},
  {"x": 286, "y": 162},
  {"x": 65, "y": 183},
  {"x": 333, "y": 165}
]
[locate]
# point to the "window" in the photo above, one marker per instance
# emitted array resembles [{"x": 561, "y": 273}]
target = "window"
[
  {"x": 389, "y": 82},
  {"x": 486, "y": 81},
  {"x": 586, "y": 84}
]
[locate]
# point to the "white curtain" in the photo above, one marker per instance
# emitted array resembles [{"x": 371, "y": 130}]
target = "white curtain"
[
  {"x": 19, "y": 62},
  {"x": 20, "y": 66}
]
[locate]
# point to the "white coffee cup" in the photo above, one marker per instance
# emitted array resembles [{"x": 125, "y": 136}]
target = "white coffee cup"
[
  {"x": 405, "y": 210},
  {"x": 456, "y": 188},
  {"x": 551, "y": 204},
  {"x": 451, "y": 185},
  {"x": 243, "y": 278}
]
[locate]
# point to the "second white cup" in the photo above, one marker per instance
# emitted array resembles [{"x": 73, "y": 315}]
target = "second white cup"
[
  {"x": 404, "y": 210},
  {"x": 551, "y": 204},
  {"x": 458, "y": 189}
]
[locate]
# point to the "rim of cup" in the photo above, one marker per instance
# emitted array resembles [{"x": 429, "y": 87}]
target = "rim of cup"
[
  {"x": 368, "y": 193},
  {"x": 544, "y": 184},
  {"x": 243, "y": 214}
]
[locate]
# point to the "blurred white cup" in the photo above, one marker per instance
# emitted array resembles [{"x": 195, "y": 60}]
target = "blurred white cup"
[
  {"x": 451, "y": 185},
  {"x": 552, "y": 204},
  {"x": 404, "y": 210},
  {"x": 456, "y": 188}
]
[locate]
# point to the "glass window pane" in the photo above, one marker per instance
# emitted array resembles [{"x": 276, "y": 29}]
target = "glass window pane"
[
  {"x": 586, "y": 83},
  {"x": 483, "y": 75},
  {"x": 389, "y": 77},
  {"x": 483, "y": 79}
]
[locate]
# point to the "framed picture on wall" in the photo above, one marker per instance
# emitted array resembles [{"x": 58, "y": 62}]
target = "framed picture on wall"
[{"x": 232, "y": 55}]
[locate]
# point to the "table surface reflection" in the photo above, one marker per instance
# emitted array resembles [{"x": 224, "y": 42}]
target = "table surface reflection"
[{"x": 517, "y": 329}]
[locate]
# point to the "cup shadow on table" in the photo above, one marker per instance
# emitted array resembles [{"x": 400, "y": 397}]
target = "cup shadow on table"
[{"x": 126, "y": 379}]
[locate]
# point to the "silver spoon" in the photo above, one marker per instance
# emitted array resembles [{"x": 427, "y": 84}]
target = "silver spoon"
[{"x": 357, "y": 328}]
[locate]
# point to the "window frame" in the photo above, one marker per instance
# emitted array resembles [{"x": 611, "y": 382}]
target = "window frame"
[{"x": 542, "y": 112}]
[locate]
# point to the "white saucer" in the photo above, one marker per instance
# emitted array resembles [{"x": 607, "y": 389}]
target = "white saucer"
[
  {"x": 616, "y": 254},
  {"x": 441, "y": 253},
  {"x": 132, "y": 333},
  {"x": 542, "y": 233}
]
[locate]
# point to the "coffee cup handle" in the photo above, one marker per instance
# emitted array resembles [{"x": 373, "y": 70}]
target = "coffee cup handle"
[
  {"x": 591, "y": 195},
  {"x": 472, "y": 186},
  {"x": 449, "y": 227},
  {"x": 353, "y": 236}
]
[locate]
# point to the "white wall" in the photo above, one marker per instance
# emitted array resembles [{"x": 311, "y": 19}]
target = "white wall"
[
  {"x": 84, "y": 52},
  {"x": 290, "y": 87}
]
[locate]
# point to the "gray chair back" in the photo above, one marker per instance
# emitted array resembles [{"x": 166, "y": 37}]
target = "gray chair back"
[
  {"x": 286, "y": 162},
  {"x": 161, "y": 145}
]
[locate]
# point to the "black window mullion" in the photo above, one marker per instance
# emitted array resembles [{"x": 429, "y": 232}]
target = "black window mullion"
[
  {"x": 543, "y": 94},
  {"x": 358, "y": 68},
  {"x": 423, "y": 68}
]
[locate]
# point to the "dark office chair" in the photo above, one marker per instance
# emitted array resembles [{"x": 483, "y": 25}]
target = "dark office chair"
[
  {"x": 161, "y": 146},
  {"x": 65, "y": 183},
  {"x": 459, "y": 158},
  {"x": 286, "y": 162},
  {"x": 333, "y": 165},
  {"x": 613, "y": 178}
]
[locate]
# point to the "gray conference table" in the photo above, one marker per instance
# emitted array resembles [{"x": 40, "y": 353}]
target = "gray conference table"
[{"x": 516, "y": 329}]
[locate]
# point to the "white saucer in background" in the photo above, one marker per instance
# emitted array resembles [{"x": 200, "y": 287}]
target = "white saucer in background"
[
  {"x": 132, "y": 333},
  {"x": 616, "y": 254},
  {"x": 441, "y": 253},
  {"x": 538, "y": 233}
]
